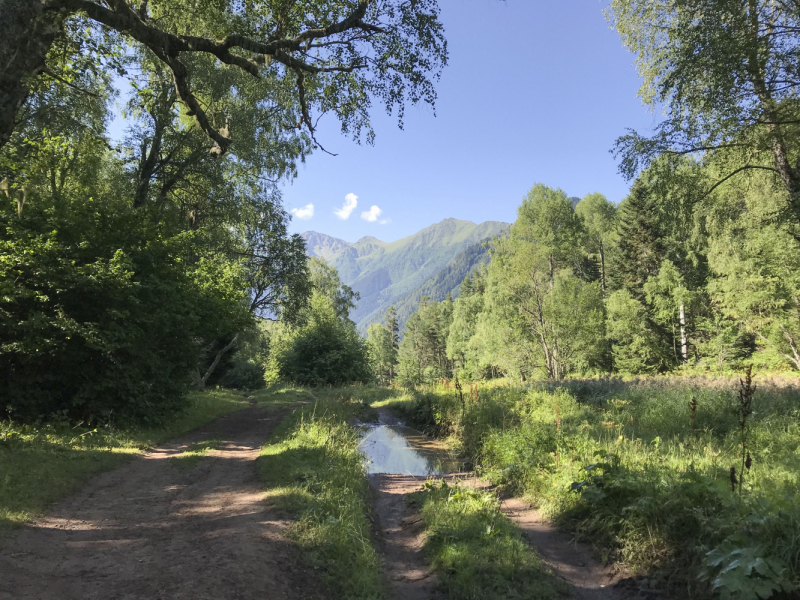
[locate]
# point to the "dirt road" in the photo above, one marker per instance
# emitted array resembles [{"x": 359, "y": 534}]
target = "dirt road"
[
  {"x": 575, "y": 563},
  {"x": 400, "y": 537},
  {"x": 165, "y": 529}
]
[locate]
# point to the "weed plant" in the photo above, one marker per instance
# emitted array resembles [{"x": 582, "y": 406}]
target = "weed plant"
[
  {"x": 477, "y": 552},
  {"x": 41, "y": 463},
  {"x": 314, "y": 470},
  {"x": 642, "y": 468}
]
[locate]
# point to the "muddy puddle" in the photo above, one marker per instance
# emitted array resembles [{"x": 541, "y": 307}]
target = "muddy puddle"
[{"x": 391, "y": 448}]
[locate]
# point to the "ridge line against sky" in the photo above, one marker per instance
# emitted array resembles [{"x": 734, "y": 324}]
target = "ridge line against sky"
[
  {"x": 536, "y": 91},
  {"x": 383, "y": 241}
]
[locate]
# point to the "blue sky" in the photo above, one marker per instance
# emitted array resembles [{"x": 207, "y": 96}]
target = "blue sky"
[{"x": 536, "y": 91}]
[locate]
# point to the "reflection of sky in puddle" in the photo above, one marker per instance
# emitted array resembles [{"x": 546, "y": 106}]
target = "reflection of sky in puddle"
[{"x": 403, "y": 451}]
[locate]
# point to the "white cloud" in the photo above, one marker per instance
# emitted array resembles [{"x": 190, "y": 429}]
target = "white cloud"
[
  {"x": 385, "y": 221},
  {"x": 350, "y": 203},
  {"x": 304, "y": 213},
  {"x": 372, "y": 214}
]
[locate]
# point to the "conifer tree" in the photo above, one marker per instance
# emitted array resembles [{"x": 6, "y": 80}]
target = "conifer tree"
[
  {"x": 639, "y": 251},
  {"x": 638, "y": 257},
  {"x": 393, "y": 327}
]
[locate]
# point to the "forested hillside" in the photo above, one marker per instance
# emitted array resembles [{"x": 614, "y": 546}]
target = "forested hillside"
[
  {"x": 672, "y": 278},
  {"x": 384, "y": 273},
  {"x": 445, "y": 282}
]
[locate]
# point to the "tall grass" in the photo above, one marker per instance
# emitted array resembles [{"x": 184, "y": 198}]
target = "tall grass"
[
  {"x": 625, "y": 464},
  {"x": 477, "y": 552},
  {"x": 313, "y": 469}
]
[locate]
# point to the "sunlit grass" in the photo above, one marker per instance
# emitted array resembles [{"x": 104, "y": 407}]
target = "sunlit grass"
[
  {"x": 477, "y": 552},
  {"x": 312, "y": 469},
  {"x": 40, "y": 464},
  {"x": 665, "y": 499},
  {"x": 192, "y": 455}
]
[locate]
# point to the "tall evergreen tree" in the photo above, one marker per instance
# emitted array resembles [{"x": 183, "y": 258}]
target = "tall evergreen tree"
[
  {"x": 639, "y": 250},
  {"x": 393, "y": 327},
  {"x": 637, "y": 257}
]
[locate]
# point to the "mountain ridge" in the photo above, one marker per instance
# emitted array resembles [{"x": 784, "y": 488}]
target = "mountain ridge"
[{"x": 385, "y": 273}]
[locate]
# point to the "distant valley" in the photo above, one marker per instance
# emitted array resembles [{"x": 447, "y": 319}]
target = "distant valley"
[{"x": 432, "y": 262}]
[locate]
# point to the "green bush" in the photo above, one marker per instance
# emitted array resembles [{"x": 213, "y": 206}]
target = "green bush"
[
  {"x": 99, "y": 316},
  {"x": 325, "y": 350}
]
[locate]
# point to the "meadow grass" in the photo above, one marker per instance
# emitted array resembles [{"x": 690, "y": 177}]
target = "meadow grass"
[
  {"x": 312, "y": 469},
  {"x": 42, "y": 463},
  {"x": 477, "y": 552},
  {"x": 624, "y": 464}
]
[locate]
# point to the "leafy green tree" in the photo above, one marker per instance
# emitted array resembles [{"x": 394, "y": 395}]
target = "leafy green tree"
[
  {"x": 756, "y": 263},
  {"x": 422, "y": 356},
  {"x": 393, "y": 327},
  {"x": 325, "y": 279},
  {"x": 462, "y": 349},
  {"x": 382, "y": 355},
  {"x": 320, "y": 344},
  {"x": 315, "y": 55},
  {"x": 159, "y": 261},
  {"x": 548, "y": 224},
  {"x": 727, "y": 73},
  {"x": 669, "y": 298},
  {"x": 598, "y": 217},
  {"x": 532, "y": 281},
  {"x": 324, "y": 350},
  {"x": 99, "y": 318}
]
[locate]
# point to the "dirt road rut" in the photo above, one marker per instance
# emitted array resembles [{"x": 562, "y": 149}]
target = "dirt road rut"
[{"x": 164, "y": 529}]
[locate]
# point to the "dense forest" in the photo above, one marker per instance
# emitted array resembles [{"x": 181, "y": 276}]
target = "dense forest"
[
  {"x": 143, "y": 249},
  {"x": 672, "y": 278},
  {"x": 697, "y": 268}
]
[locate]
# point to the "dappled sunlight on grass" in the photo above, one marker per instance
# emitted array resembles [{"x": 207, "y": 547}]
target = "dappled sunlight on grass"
[
  {"x": 642, "y": 467},
  {"x": 314, "y": 471}
]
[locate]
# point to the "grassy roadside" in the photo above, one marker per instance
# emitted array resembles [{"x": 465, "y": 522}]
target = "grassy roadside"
[
  {"x": 41, "y": 464},
  {"x": 312, "y": 469},
  {"x": 642, "y": 469},
  {"x": 477, "y": 552}
]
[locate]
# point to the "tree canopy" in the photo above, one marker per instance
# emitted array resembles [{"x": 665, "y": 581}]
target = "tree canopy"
[
  {"x": 726, "y": 72},
  {"x": 287, "y": 62}
]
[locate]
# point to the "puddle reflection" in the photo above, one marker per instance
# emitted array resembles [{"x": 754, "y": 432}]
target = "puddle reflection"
[{"x": 403, "y": 451}]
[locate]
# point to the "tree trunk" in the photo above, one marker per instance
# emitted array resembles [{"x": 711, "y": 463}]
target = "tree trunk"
[
  {"x": 684, "y": 344},
  {"x": 201, "y": 379},
  {"x": 26, "y": 34},
  {"x": 756, "y": 67},
  {"x": 795, "y": 357}
]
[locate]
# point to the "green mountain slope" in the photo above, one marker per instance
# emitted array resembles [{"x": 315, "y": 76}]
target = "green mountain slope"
[
  {"x": 446, "y": 281},
  {"x": 393, "y": 273}
]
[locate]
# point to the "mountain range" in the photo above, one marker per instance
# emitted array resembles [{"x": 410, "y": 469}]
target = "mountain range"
[{"x": 432, "y": 262}]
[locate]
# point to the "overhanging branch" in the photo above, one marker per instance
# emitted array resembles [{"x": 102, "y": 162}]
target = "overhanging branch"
[{"x": 119, "y": 16}]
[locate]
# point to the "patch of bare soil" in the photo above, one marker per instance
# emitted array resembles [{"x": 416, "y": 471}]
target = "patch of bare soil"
[
  {"x": 400, "y": 535},
  {"x": 157, "y": 529},
  {"x": 573, "y": 562}
]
